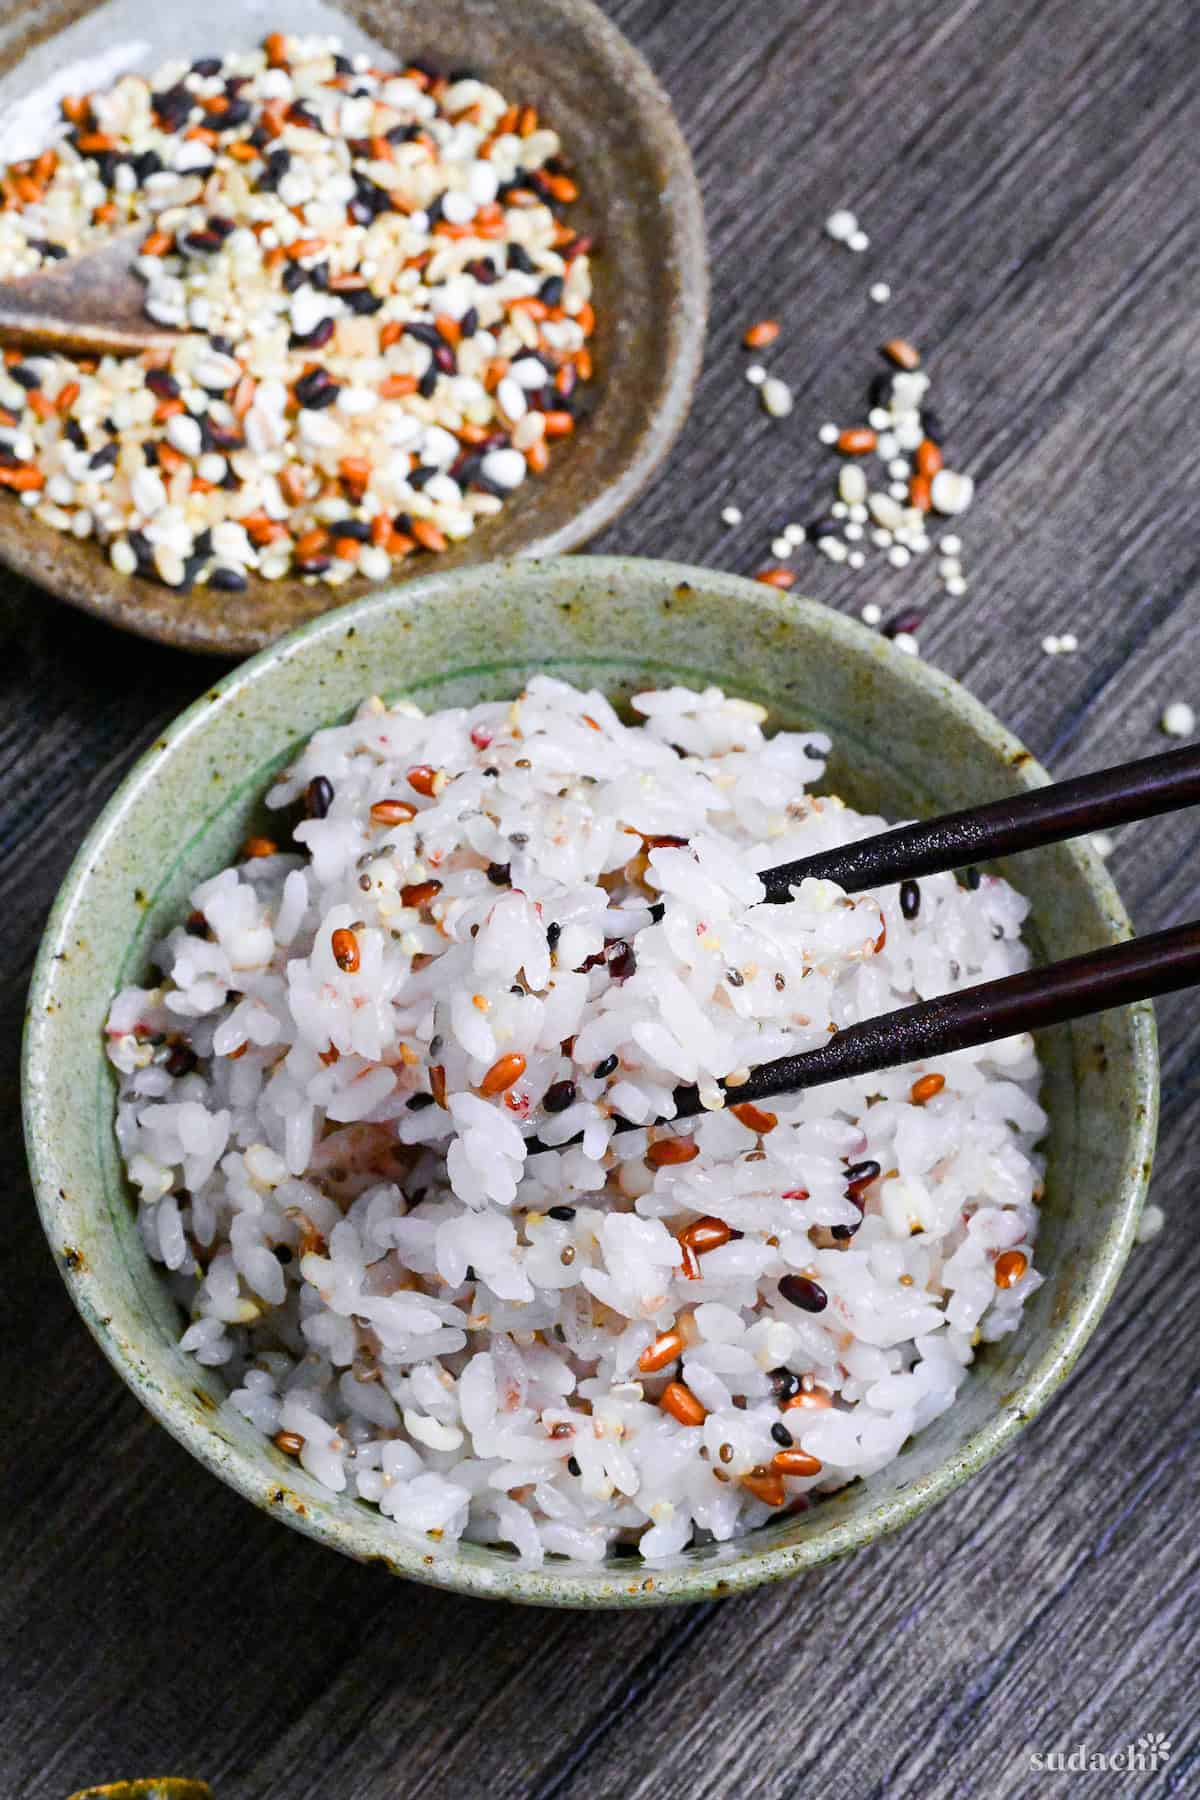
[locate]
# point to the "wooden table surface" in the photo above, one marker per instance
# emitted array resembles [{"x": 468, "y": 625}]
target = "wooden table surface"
[{"x": 1027, "y": 171}]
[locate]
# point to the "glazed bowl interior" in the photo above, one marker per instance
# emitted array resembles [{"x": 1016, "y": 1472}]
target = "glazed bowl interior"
[
  {"x": 638, "y": 198},
  {"x": 907, "y": 741}
]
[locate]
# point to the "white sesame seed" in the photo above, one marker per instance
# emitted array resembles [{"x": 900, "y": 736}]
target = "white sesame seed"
[
  {"x": 839, "y": 509},
  {"x": 887, "y": 446},
  {"x": 852, "y": 484},
  {"x": 169, "y": 564},
  {"x": 1050, "y": 646},
  {"x": 951, "y": 492},
  {"x": 833, "y": 548},
  {"x": 881, "y": 538},
  {"x": 858, "y": 513},
  {"x": 905, "y": 641},
  {"x": 871, "y": 614},
  {"x": 184, "y": 435},
  {"x": 898, "y": 490},
  {"x": 1068, "y": 642},
  {"x": 899, "y": 468},
  {"x": 948, "y": 567},
  {"x": 880, "y": 293},
  {"x": 899, "y": 557},
  {"x": 505, "y": 467},
  {"x": 956, "y": 586},
  {"x": 121, "y": 557},
  {"x": 1178, "y": 720},
  {"x": 756, "y": 374},
  {"x": 374, "y": 563},
  {"x": 855, "y": 560},
  {"x": 841, "y": 225},
  {"x": 731, "y": 515},
  {"x": 879, "y": 418},
  {"x": 852, "y": 533},
  {"x": 795, "y": 534},
  {"x": 1150, "y": 1224},
  {"x": 951, "y": 543},
  {"x": 1103, "y": 844},
  {"x": 781, "y": 548},
  {"x": 884, "y": 511},
  {"x": 829, "y": 434},
  {"x": 777, "y": 397},
  {"x": 909, "y": 432},
  {"x": 858, "y": 241}
]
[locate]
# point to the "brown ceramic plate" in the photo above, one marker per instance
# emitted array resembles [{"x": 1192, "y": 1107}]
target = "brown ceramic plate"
[{"x": 639, "y": 197}]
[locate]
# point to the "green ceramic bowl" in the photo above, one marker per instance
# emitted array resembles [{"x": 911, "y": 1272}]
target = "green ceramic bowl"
[{"x": 908, "y": 741}]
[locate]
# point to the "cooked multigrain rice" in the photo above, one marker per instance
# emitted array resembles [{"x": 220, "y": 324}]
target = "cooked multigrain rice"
[
  {"x": 532, "y": 917},
  {"x": 383, "y": 315}
]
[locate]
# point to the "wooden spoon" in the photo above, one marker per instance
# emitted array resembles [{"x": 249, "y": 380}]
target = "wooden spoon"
[{"x": 87, "y": 305}]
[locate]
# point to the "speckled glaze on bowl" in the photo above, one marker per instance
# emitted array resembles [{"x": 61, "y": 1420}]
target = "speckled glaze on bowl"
[
  {"x": 639, "y": 198},
  {"x": 908, "y": 740}
]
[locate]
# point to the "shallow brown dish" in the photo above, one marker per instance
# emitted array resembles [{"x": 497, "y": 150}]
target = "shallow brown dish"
[{"x": 638, "y": 196}]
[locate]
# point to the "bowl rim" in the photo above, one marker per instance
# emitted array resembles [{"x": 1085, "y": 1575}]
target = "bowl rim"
[
  {"x": 681, "y": 213},
  {"x": 606, "y": 1586}
]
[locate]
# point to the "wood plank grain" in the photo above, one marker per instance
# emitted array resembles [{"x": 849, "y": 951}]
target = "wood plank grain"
[{"x": 1026, "y": 172}]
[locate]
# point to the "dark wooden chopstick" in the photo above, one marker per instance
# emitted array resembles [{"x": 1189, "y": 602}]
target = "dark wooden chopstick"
[
  {"x": 1047, "y": 815},
  {"x": 1051, "y": 995}
]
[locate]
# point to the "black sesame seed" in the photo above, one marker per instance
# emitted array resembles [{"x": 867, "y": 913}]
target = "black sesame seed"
[
  {"x": 105, "y": 457},
  {"x": 207, "y": 67},
  {"x": 469, "y": 323},
  {"x": 73, "y": 432},
  {"x": 282, "y": 1253},
  {"x": 24, "y": 377},
  {"x": 358, "y": 529},
  {"x": 316, "y": 390},
  {"x": 657, "y": 912},
  {"x": 428, "y": 382},
  {"x": 228, "y": 581},
  {"x": 622, "y": 962},
  {"x": 316, "y": 339},
  {"x": 735, "y": 978},
  {"x": 181, "y": 1061},
  {"x": 931, "y": 425},
  {"x": 782, "y": 1435},
  {"x": 880, "y": 391},
  {"x": 553, "y": 933},
  {"x": 910, "y": 899},
  {"x": 861, "y": 1174},
  {"x": 44, "y": 247},
  {"x": 910, "y": 620},
  {"x": 574, "y": 1469},
  {"x": 162, "y": 383},
  {"x": 604, "y": 1069},
  {"x": 418, "y": 1102},
  {"x": 551, "y": 290},
  {"x": 294, "y": 277},
  {"x": 403, "y": 134},
  {"x": 498, "y": 874},
  {"x": 421, "y": 474},
  {"x": 362, "y": 300},
  {"x": 558, "y": 1096},
  {"x": 799, "y": 1291},
  {"x": 318, "y": 796},
  {"x": 519, "y": 258}
]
